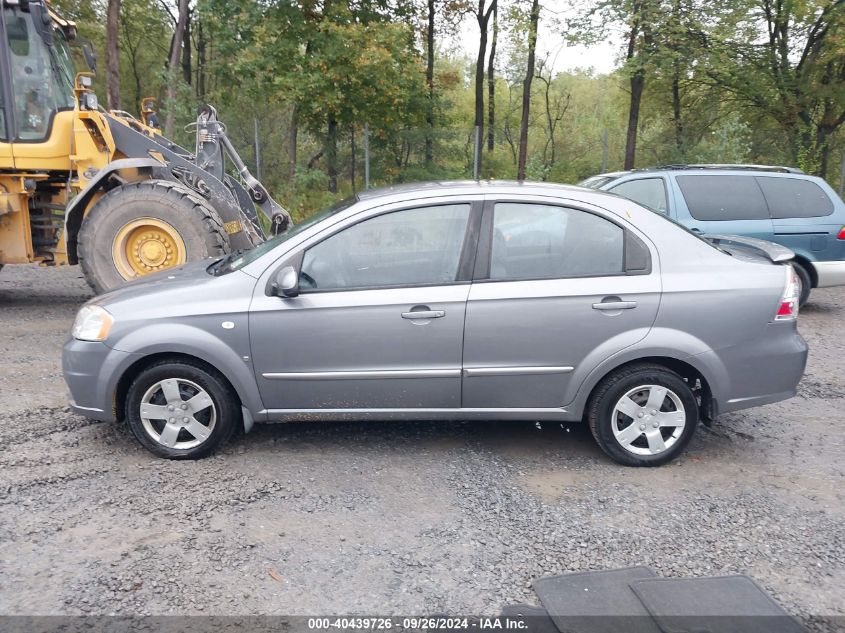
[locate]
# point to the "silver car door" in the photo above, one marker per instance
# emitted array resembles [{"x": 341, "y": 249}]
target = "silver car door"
[
  {"x": 558, "y": 288},
  {"x": 379, "y": 321}
]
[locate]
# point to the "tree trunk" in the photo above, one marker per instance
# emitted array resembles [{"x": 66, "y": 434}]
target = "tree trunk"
[
  {"x": 331, "y": 155},
  {"x": 676, "y": 115},
  {"x": 637, "y": 85},
  {"x": 429, "y": 80},
  {"x": 822, "y": 147},
  {"x": 173, "y": 62},
  {"x": 526, "y": 90},
  {"x": 491, "y": 84},
  {"x": 352, "y": 161},
  {"x": 483, "y": 18},
  {"x": 293, "y": 132},
  {"x": 112, "y": 56},
  {"x": 200, "y": 84},
  {"x": 186, "y": 50}
]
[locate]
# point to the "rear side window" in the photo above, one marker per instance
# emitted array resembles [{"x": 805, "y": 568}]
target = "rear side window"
[
  {"x": 536, "y": 241},
  {"x": 649, "y": 192},
  {"x": 795, "y": 198},
  {"x": 723, "y": 198}
]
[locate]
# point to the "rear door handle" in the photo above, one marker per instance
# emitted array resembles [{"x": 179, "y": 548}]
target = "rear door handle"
[
  {"x": 615, "y": 305},
  {"x": 424, "y": 314}
]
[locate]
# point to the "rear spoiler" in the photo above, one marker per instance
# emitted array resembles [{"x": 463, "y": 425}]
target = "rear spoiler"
[{"x": 774, "y": 252}]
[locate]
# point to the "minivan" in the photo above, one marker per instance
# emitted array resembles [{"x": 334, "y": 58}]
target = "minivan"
[{"x": 778, "y": 204}]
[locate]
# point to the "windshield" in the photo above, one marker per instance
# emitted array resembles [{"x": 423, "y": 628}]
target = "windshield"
[
  {"x": 42, "y": 75},
  {"x": 238, "y": 260}
]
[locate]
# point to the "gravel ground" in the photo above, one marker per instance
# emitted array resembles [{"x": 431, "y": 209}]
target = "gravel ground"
[{"x": 397, "y": 518}]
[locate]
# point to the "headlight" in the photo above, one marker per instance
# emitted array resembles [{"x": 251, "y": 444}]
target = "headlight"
[{"x": 92, "y": 323}]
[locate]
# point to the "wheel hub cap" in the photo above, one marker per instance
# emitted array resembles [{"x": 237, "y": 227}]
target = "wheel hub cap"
[
  {"x": 147, "y": 245},
  {"x": 648, "y": 420},
  {"x": 197, "y": 413}
]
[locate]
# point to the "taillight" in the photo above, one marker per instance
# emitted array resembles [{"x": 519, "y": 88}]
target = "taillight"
[
  {"x": 841, "y": 235},
  {"x": 788, "y": 308}
]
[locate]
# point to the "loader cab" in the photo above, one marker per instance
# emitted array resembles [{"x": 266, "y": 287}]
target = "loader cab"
[{"x": 37, "y": 73}]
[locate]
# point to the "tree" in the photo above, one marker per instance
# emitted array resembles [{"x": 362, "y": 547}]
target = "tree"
[
  {"x": 555, "y": 107},
  {"x": 526, "y": 89},
  {"x": 173, "y": 61},
  {"x": 639, "y": 36},
  {"x": 429, "y": 81},
  {"x": 112, "y": 55},
  {"x": 491, "y": 83},
  {"x": 144, "y": 37},
  {"x": 482, "y": 17},
  {"x": 794, "y": 74}
]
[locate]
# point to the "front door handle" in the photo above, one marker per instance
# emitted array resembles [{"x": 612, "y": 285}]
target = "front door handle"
[
  {"x": 424, "y": 314},
  {"x": 614, "y": 304}
]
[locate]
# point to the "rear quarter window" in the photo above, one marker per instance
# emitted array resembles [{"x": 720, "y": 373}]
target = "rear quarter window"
[
  {"x": 795, "y": 198},
  {"x": 716, "y": 197},
  {"x": 649, "y": 192}
]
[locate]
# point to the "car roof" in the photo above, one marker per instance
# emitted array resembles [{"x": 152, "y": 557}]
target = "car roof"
[
  {"x": 465, "y": 186},
  {"x": 741, "y": 168}
]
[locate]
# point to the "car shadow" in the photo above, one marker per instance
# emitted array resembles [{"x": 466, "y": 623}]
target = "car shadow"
[{"x": 522, "y": 439}]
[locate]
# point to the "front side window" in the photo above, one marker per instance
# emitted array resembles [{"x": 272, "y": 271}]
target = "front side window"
[
  {"x": 794, "y": 198},
  {"x": 410, "y": 247},
  {"x": 716, "y": 198},
  {"x": 649, "y": 192},
  {"x": 536, "y": 241},
  {"x": 42, "y": 75}
]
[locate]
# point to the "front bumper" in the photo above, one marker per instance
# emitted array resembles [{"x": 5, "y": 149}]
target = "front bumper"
[
  {"x": 830, "y": 273},
  {"x": 91, "y": 371}
]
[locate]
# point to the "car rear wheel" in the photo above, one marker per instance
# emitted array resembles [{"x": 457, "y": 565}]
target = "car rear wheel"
[
  {"x": 181, "y": 411},
  {"x": 643, "y": 415},
  {"x": 805, "y": 284}
]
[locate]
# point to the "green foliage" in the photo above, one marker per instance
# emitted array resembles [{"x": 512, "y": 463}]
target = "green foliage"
[{"x": 717, "y": 87}]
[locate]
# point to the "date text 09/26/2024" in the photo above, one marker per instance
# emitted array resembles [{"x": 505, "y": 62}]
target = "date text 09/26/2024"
[{"x": 417, "y": 623}]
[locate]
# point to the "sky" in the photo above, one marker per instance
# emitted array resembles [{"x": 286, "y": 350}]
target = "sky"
[{"x": 602, "y": 57}]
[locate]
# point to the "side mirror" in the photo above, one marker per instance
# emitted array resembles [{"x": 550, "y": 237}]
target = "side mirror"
[{"x": 286, "y": 282}]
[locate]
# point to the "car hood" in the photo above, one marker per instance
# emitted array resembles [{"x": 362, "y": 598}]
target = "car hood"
[{"x": 184, "y": 290}]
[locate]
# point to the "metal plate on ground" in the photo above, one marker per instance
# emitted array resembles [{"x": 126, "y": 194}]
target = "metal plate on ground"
[
  {"x": 727, "y": 604},
  {"x": 596, "y": 601},
  {"x": 535, "y": 619}
]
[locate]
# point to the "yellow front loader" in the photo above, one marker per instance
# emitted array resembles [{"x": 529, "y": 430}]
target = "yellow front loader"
[{"x": 80, "y": 185}]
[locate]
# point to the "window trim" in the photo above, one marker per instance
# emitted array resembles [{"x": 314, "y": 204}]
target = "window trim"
[
  {"x": 465, "y": 259},
  {"x": 6, "y": 86},
  {"x": 662, "y": 179},
  {"x": 485, "y": 245}
]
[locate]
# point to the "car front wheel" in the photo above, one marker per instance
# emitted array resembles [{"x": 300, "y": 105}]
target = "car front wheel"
[
  {"x": 643, "y": 415},
  {"x": 179, "y": 410}
]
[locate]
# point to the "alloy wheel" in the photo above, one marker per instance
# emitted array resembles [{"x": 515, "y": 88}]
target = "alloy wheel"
[
  {"x": 178, "y": 413},
  {"x": 648, "y": 420}
]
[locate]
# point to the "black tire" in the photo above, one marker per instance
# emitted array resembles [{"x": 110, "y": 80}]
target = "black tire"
[
  {"x": 611, "y": 390},
  {"x": 196, "y": 223},
  {"x": 224, "y": 408},
  {"x": 806, "y": 283}
]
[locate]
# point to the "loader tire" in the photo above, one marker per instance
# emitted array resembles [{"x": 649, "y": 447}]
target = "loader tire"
[{"x": 145, "y": 227}]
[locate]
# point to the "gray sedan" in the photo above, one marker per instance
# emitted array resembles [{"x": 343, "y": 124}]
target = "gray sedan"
[{"x": 450, "y": 301}]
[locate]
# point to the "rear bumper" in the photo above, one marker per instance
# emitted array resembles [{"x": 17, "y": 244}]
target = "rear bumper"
[
  {"x": 762, "y": 371},
  {"x": 830, "y": 273}
]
